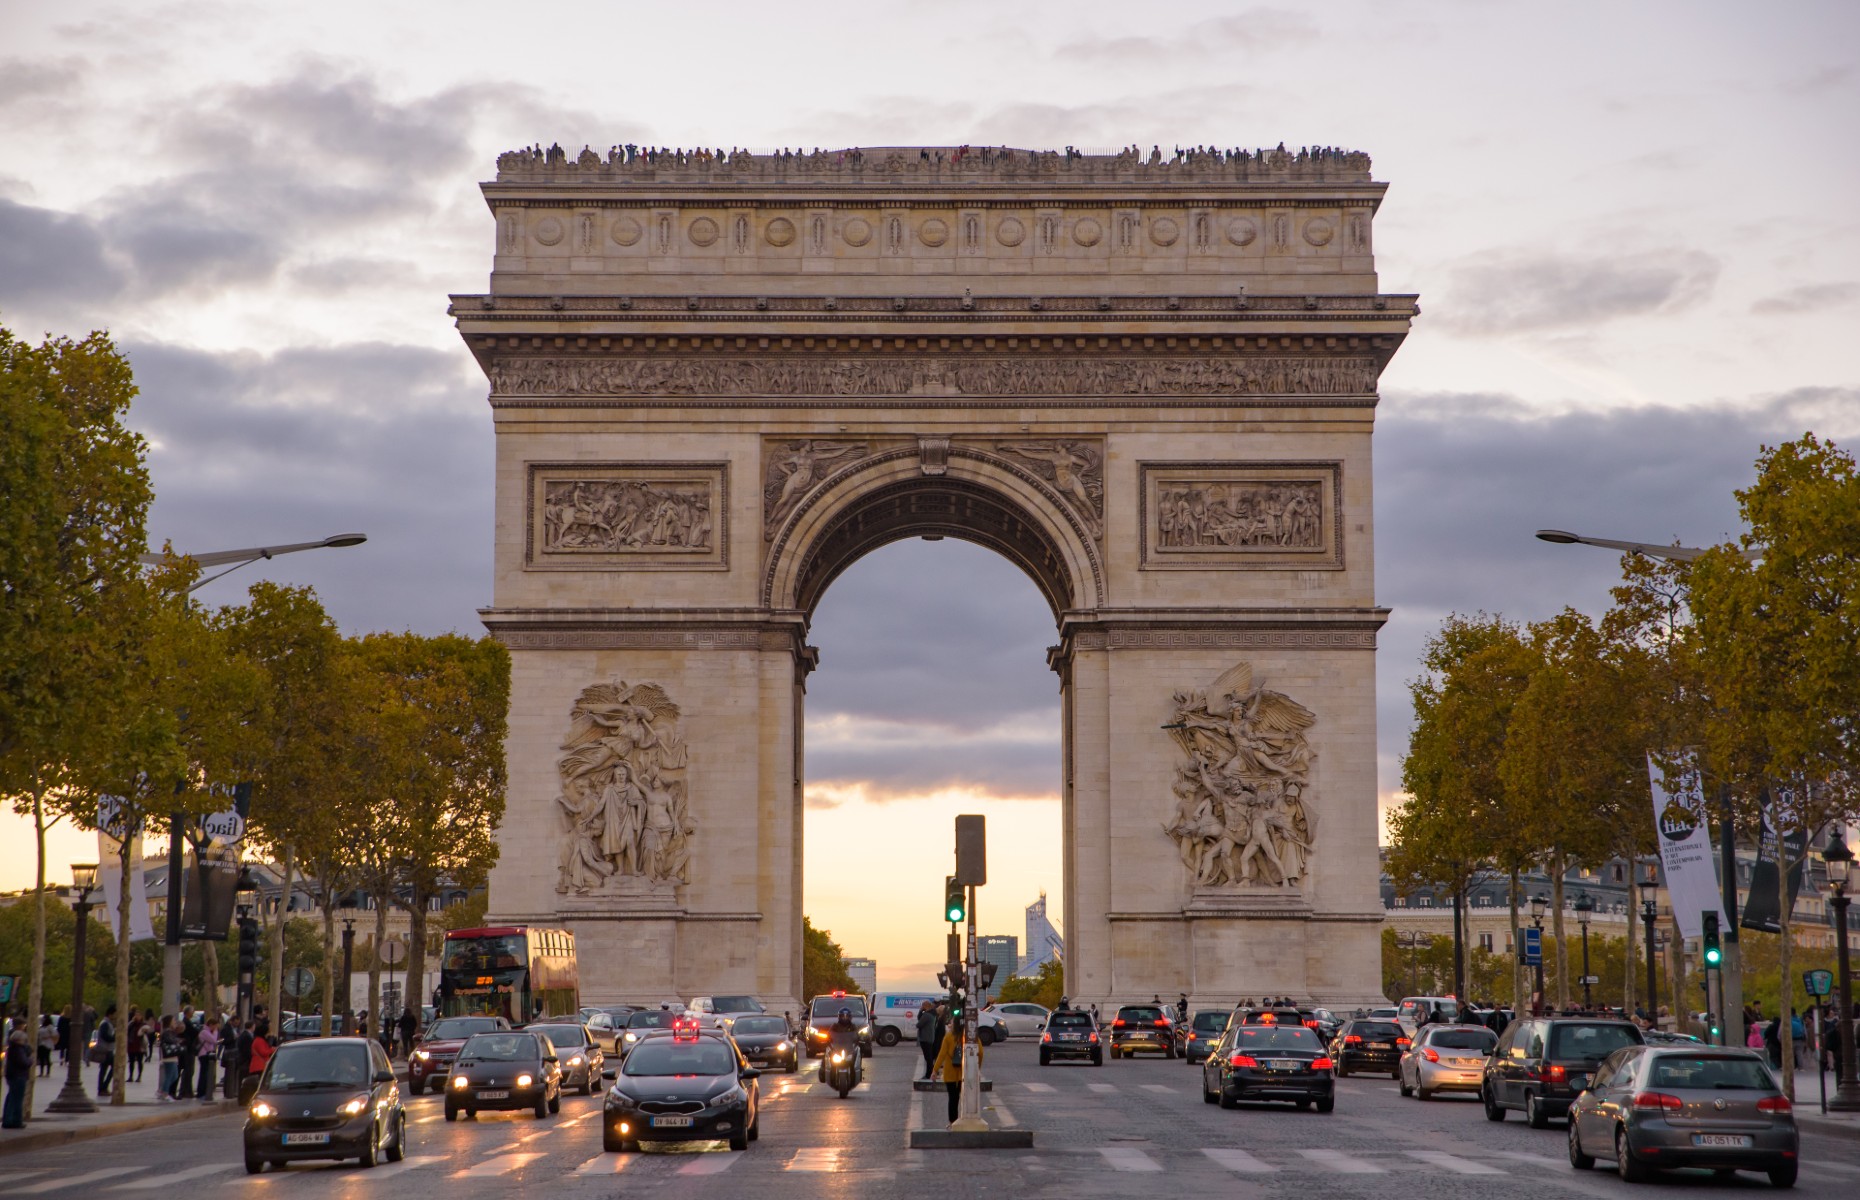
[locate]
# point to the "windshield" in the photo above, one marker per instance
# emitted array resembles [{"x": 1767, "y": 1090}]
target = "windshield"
[
  {"x": 501, "y": 1047},
  {"x": 1386, "y": 1030},
  {"x": 1722, "y": 1074},
  {"x": 1139, "y": 1014},
  {"x": 1210, "y": 1022},
  {"x": 1069, "y": 1021},
  {"x": 1481, "y": 1040},
  {"x": 746, "y": 1026},
  {"x": 1591, "y": 1042},
  {"x": 1278, "y": 1037},
  {"x": 649, "y": 1020},
  {"x": 484, "y": 954},
  {"x": 458, "y": 1028},
  {"x": 829, "y": 1006},
  {"x": 662, "y": 1056},
  {"x": 315, "y": 1064},
  {"x": 728, "y": 1004},
  {"x": 564, "y": 1035}
]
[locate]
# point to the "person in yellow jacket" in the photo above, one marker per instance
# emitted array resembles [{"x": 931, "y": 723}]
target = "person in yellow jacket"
[{"x": 949, "y": 1063}]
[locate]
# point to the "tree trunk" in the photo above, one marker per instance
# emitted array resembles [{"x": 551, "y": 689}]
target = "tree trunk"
[
  {"x": 330, "y": 964},
  {"x": 415, "y": 988},
  {"x": 35, "y": 988},
  {"x": 119, "y": 1093},
  {"x": 210, "y": 967},
  {"x": 374, "y": 964},
  {"x": 1517, "y": 949},
  {"x": 274, "y": 995},
  {"x": 1785, "y": 1031},
  {"x": 1558, "y": 868}
]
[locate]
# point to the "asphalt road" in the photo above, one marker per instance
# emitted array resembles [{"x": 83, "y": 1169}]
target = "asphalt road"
[{"x": 1130, "y": 1128}]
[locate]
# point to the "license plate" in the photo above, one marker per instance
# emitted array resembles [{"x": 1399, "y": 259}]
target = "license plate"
[
  {"x": 1285, "y": 1064},
  {"x": 1720, "y": 1139},
  {"x": 1380, "y": 1046},
  {"x": 671, "y": 1122},
  {"x": 496, "y": 1095},
  {"x": 1071, "y": 1037},
  {"x": 306, "y": 1139}
]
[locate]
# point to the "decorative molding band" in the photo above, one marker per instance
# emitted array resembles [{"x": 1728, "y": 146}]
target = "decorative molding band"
[
  {"x": 612, "y": 638},
  {"x": 1310, "y": 305},
  {"x": 1223, "y": 639}
]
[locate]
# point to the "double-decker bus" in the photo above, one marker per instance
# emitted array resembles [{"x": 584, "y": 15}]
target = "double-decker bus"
[{"x": 518, "y": 972}]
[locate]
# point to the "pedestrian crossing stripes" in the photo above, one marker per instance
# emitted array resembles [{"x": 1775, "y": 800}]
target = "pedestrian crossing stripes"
[
  {"x": 815, "y": 1158},
  {"x": 1453, "y": 1162},
  {"x": 1158, "y": 1087},
  {"x": 710, "y": 1164},
  {"x": 1102, "y": 1088},
  {"x": 68, "y": 1181},
  {"x": 1128, "y": 1158},
  {"x": 503, "y": 1164},
  {"x": 1239, "y": 1160},
  {"x": 1343, "y": 1164},
  {"x": 1039, "y": 1087},
  {"x": 174, "y": 1177}
]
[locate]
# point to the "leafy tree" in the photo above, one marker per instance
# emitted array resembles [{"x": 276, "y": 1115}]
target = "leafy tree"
[
  {"x": 1044, "y": 987},
  {"x": 823, "y": 964}
]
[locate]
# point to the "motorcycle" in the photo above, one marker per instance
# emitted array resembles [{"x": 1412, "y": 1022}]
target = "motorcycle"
[{"x": 842, "y": 1070}]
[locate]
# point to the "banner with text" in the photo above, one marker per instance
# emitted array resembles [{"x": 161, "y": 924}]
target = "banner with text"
[
  {"x": 1761, "y": 912},
  {"x": 113, "y": 829},
  {"x": 210, "y": 890},
  {"x": 1685, "y": 843}
]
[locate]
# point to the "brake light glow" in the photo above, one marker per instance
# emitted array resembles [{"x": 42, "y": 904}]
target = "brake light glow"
[
  {"x": 1401, "y": 1041},
  {"x": 1046, "y": 1037},
  {"x": 1313, "y": 1024},
  {"x": 1094, "y": 1039},
  {"x": 1430, "y": 1054},
  {"x": 1118, "y": 1024},
  {"x": 1554, "y": 1073},
  {"x": 1351, "y": 1039},
  {"x": 1322, "y": 1064},
  {"x": 1268, "y": 1019},
  {"x": 1657, "y": 1102},
  {"x": 1775, "y": 1104},
  {"x": 685, "y": 1029},
  {"x": 1243, "y": 1060}
]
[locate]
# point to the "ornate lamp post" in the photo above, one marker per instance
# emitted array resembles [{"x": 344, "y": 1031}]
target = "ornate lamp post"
[
  {"x": 1840, "y": 864},
  {"x": 1584, "y": 907},
  {"x": 1648, "y": 911},
  {"x": 1538, "y": 905},
  {"x": 72, "y": 1097},
  {"x": 348, "y": 973}
]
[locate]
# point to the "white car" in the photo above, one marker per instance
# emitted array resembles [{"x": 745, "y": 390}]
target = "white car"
[{"x": 1022, "y": 1019}]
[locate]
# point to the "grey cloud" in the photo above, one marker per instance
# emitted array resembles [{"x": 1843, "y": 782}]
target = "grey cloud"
[
  {"x": 32, "y": 79},
  {"x": 1808, "y": 298},
  {"x": 1526, "y": 292},
  {"x": 1256, "y": 29},
  {"x": 53, "y": 256}
]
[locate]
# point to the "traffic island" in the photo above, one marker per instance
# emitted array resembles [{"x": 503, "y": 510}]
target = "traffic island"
[
  {"x": 971, "y": 1139},
  {"x": 932, "y": 1085}
]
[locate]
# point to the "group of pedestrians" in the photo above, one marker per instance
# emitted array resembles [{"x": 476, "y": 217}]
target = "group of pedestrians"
[{"x": 942, "y": 1038}]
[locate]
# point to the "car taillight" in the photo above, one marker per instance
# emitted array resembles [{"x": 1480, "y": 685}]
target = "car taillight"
[
  {"x": 1657, "y": 1102},
  {"x": 1243, "y": 1060},
  {"x": 1775, "y": 1104},
  {"x": 1401, "y": 1041},
  {"x": 1118, "y": 1024},
  {"x": 1350, "y": 1039},
  {"x": 1162, "y": 1022},
  {"x": 1046, "y": 1037},
  {"x": 1555, "y": 1073},
  {"x": 1321, "y": 1064},
  {"x": 1094, "y": 1039},
  {"x": 1313, "y": 1024},
  {"x": 1430, "y": 1054}
]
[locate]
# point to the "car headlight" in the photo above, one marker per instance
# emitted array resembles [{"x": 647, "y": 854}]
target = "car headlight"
[
  {"x": 458, "y": 1080},
  {"x": 421, "y": 1055},
  {"x": 575, "y": 1061},
  {"x": 782, "y": 1046},
  {"x": 619, "y": 1099},
  {"x": 865, "y": 1030},
  {"x": 354, "y": 1106},
  {"x": 524, "y": 1081},
  {"x": 261, "y": 1110},
  {"x": 632, "y": 1037}
]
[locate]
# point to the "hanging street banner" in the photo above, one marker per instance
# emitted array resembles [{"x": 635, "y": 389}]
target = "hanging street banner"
[
  {"x": 1760, "y": 910},
  {"x": 113, "y": 829},
  {"x": 212, "y": 882},
  {"x": 1686, "y": 855}
]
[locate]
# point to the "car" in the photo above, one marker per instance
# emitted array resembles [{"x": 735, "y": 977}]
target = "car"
[
  {"x": 432, "y": 1055},
  {"x": 766, "y": 1042},
  {"x": 1071, "y": 1033},
  {"x": 508, "y": 1069},
  {"x": 1138, "y": 1027},
  {"x": 1021, "y": 1018},
  {"x": 1651, "y": 1108},
  {"x": 1269, "y": 1062},
  {"x": 642, "y": 1021},
  {"x": 692, "y": 1085},
  {"x": 1667, "y": 1037},
  {"x": 1384, "y": 1014},
  {"x": 580, "y": 1051},
  {"x": 719, "y": 1010},
  {"x": 1197, "y": 1036},
  {"x": 1446, "y": 1058},
  {"x": 1542, "y": 1063},
  {"x": 326, "y": 1098},
  {"x": 298, "y": 1028},
  {"x": 1363, "y": 1044},
  {"x": 823, "y": 1011},
  {"x": 1416, "y": 1011}
]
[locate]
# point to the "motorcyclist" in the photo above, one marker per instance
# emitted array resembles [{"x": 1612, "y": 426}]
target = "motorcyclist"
[{"x": 841, "y": 1035}]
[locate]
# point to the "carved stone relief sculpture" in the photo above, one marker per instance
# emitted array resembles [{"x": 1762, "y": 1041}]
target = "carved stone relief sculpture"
[
  {"x": 792, "y": 470},
  {"x": 1192, "y": 514},
  {"x": 623, "y": 804},
  {"x": 1074, "y": 468},
  {"x": 610, "y": 516},
  {"x": 1244, "y": 818}
]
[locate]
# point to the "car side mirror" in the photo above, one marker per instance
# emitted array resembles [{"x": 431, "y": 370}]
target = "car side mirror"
[
  {"x": 384, "y": 1077},
  {"x": 748, "y": 1073},
  {"x": 609, "y": 1074},
  {"x": 550, "y": 1058},
  {"x": 1042, "y": 1026}
]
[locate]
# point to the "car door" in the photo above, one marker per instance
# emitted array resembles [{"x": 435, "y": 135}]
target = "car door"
[
  {"x": 1583, "y": 1110},
  {"x": 1512, "y": 1069}
]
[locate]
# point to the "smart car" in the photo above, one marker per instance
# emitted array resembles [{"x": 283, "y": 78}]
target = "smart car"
[{"x": 326, "y": 1098}]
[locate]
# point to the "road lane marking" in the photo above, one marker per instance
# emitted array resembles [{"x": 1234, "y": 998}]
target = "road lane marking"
[
  {"x": 587, "y": 1116},
  {"x": 606, "y": 1164},
  {"x": 174, "y": 1177},
  {"x": 53, "y": 1185},
  {"x": 1241, "y": 1161},
  {"x": 1102, "y": 1087},
  {"x": 711, "y": 1163},
  {"x": 1003, "y": 1115},
  {"x": 1541, "y": 1160},
  {"x": 815, "y": 1158},
  {"x": 503, "y": 1164},
  {"x": 1128, "y": 1158},
  {"x": 410, "y": 1163},
  {"x": 1157, "y": 1087},
  {"x": 1039, "y": 1087},
  {"x": 1843, "y": 1168},
  {"x": 1453, "y": 1162},
  {"x": 427, "y": 1120},
  {"x": 1342, "y": 1163}
]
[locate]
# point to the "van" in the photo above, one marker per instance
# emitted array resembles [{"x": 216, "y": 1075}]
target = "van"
[
  {"x": 1416, "y": 1011},
  {"x": 894, "y": 1015}
]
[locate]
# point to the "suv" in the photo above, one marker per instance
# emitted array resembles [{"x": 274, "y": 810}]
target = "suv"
[
  {"x": 439, "y": 1045},
  {"x": 1365, "y": 1044},
  {"x": 1070, "y": 1033},
  {"x": 1416, "y": 1011},
  {"x": 1142, "y": 1027},
  {"x": 823, "y": 1011},
  {"x": 1542, "y": 1064},
  {"x": 718, "y": 1010},
  {"x": 1202, "y": 1031}
]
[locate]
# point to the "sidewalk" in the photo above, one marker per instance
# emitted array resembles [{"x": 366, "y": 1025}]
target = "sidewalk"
[
  {"x": 143, "y": 1111},
  {"x": 1808, "y": 1112}
]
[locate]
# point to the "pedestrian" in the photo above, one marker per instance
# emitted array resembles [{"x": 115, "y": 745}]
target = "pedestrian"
[
  {"x": 136, "y": 1048},
  {"x": 949, "y": 1062},
  {"x": 48, "y": 1038},
  {"x": 386, "y": 1037},
  {"x": 261, "y": 1048},
  {"x": 208, "y": 1055},
  {"x": 170, "y": 1046},
  {"x": 189, "y": 1033},
  {"x": 929, "y": 1038},
  {"x": 18, "y": 1073},
  {"x": 64, "y": 1036},
  {"x": 409, "y": 1026},
  {"x": 235, "y": 1048},
  {"x": 1798, "y": 1046},
  {"x": 105, "y": 1053}
]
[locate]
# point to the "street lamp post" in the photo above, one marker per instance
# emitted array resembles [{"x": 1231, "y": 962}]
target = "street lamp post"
[
  {"x": 1840, "y": 863},
  {"x": 1648, "y": 911},
  {"x": 1538, "y": 905},
  {"x": 348, "y": 973},
  {"x": 72, "y": 1097},
  {"x": 1413, "y": 940},
  {"x": 1584, "y": 907}
]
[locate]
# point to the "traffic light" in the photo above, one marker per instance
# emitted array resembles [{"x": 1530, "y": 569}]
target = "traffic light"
[
  {"x": 954, "y": 909},
  {"x": 988, "y": 975},
  {"x": 1714, "y": 953},
  {"x": 248, "y": 946}
]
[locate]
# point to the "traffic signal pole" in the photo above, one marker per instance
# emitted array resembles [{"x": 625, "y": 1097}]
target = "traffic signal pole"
[{"x": 969, "y": 1104}]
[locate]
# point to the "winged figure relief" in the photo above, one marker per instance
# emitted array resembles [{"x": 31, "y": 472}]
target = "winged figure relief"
[{"x": 794, "y": 470}]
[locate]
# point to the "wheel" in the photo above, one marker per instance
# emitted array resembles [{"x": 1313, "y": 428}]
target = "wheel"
[
  {"x": 887, "y": 1036},
  {"x": 739, "y": 1139},
  {"x": 986, "y": 1036},
  {"x": 1116, "y": 1053},
  {"x": 1424, "y": 1093},
  {"x": 1304, "y": 1106},
  {"x": 1535, "y": 1114},
  {"x": 1492, "y": 1111},
  {"x": 1227, "y": 1101},
  {"x": 452, "y": 1114},
  {"x": 1783, "y": 1176},
  {"x": 1577, "y": 1159},
  {"x": 1329, "y": 1104},
  {"x": 1395, "y": 1074},
  {"x": 1046, "y": 1058},
  {"x": 755, "y": 1127},
  {"x": 587, "y": 1085},
  {"x": 1168, "y": 1051},
  {"x": 1405, "y": 1089},
  {"x": 1631, "y": 1169},
  {"x": 555, "y": 1105},
  {"x": 398, "y": 1150},
  {"x": 254, "y": 1166},
  {"x": 1097, "y": 1058},
  {"x": 542, "y": 1106},
  {"x": 1343, "y": 1072},
  {"x": 416, "y": 1086},
  {"x": 371, "y": 1151},
  {"x": 1207, "y": 1097}
]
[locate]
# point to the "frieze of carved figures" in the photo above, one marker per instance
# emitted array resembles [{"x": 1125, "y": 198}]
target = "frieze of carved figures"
[
  {"x": 1243, "y": 817},
  {"x": 617, "y": 516},
  {"x": 793, "y": 469},
  {"x": 970, "y": 376},
  {"x": 623, "y": 803},
  {"x": 1074, "y": 468},
  {"x": 1215, "y": 515}
]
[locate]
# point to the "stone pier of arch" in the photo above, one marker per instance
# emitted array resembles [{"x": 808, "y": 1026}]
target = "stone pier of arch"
[{"x": 716, "y": 386}]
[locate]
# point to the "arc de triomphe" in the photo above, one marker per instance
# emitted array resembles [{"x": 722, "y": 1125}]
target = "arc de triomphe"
[{"x": 717, "y": 382}]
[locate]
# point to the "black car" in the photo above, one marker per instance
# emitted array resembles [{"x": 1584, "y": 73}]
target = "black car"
[
  {"x": 1269, "y": 1062},
  {"x": 1142, "y": 1027},
  {"x": 581, "y": 1054},
  {"x": 765, "y": 1042},
  {"x": 515, "y": 1069},
  {"x": 690, "y": 1086},
  {"x": 642, "y": 1022},
  {"x": 1070, "y": 1033},
  {"x": 1541, "y": 1065},
  {"x": 328, "y": 1098},
  {"x": 1196, "y": 1039},
  {"x": 1369, "y": 1045}
]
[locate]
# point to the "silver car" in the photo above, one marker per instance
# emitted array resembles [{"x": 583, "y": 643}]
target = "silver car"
[
  {"x": 1654, "y": 1107},
  {"x": 1446, "y": 1058}
]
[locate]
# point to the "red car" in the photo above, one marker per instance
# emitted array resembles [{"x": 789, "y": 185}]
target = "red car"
[{"x": 433, "y": 1054}]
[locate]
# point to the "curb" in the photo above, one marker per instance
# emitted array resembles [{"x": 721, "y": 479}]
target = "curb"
[
  {"x": 981, "y": 1139},
  {"x": 1816, "y": 1123},
  {"x": 15, "y": 1143}
]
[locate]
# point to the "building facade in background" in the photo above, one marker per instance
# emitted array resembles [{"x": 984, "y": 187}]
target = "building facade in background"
[
  {"x": 1044, "y": 944},
  {"x": 864, "y": 972},
  {"x": 1003, "y": 950}
]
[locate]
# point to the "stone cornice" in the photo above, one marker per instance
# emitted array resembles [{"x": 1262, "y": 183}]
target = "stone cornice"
[
  {"x": 645, "y": 629},
  {"x": 1236, "y": 305}
]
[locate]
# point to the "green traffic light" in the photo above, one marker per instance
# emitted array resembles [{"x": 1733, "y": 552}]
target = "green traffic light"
[
  {"x": 955, "y": 913},
  {"x": 1713, "y": 956}
]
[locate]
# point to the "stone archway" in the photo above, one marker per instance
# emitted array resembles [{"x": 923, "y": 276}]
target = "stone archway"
[{"x": 716, "y": 386}]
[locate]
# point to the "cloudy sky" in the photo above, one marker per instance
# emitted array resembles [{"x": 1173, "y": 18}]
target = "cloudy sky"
[{"x": 1631, "y": 227}]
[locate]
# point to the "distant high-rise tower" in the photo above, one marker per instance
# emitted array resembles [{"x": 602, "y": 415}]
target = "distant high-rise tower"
[
  {"x": 1043, "y": 941},
  {"x": 864, "y": 972},
  {"x": 1003, "y": 950}
]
